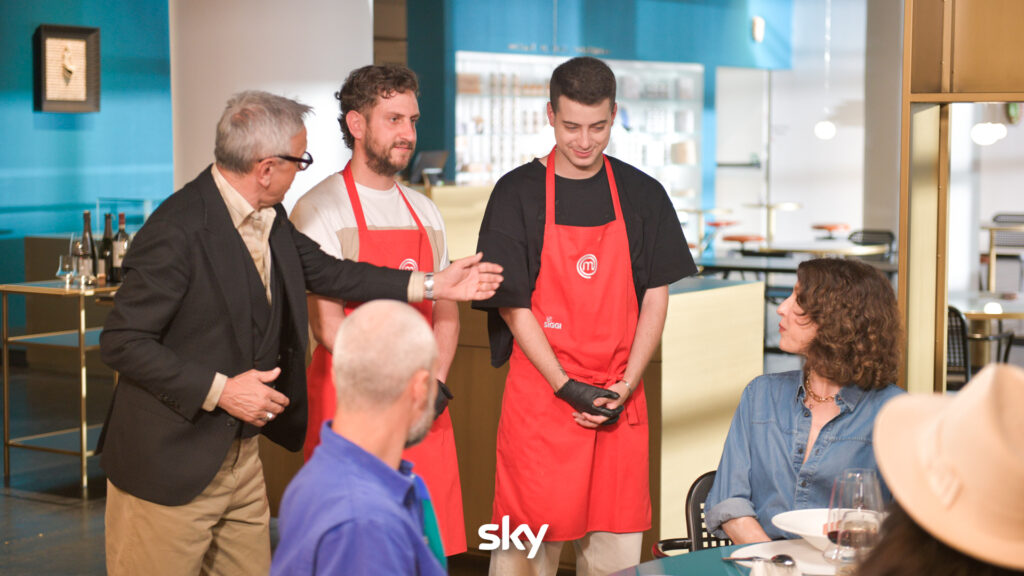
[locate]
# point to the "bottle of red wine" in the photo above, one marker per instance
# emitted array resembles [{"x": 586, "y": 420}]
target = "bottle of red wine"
[
  {"x": 87, "y": 253},
  {"x": 120, "y": 247},
  {"x": 105, "y": 256}
]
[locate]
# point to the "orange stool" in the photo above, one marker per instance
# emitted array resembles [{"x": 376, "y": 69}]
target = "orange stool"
[
  {"x": 743, "y": 239},
  {"x": 715, "y": 226},
  {"x": 831, "y": 228},
  {"x": 719, "y": 224}
]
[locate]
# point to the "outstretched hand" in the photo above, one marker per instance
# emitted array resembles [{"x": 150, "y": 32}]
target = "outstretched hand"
[{"x": 467, "y": 279}]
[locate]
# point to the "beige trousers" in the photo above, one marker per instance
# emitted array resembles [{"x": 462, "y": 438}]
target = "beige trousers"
[
  {"x": 224, "y": 530},
  {"x": 597, "y": 554}
]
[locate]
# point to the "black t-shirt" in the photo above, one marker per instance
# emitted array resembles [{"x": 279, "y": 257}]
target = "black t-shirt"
[{"x": 512, "y": 233}]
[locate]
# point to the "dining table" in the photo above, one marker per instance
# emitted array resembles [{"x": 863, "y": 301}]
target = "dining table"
[
  {"x": 842, "y": 248},
  {"x": 770, "y": 209},
  {"x": 770, "y": 264},
  {"x": 709, "y": 561},
  {"x": 702, "y": 214},
  {"x": 706, "y": 562},
  {"x": 983, "y": 305}
]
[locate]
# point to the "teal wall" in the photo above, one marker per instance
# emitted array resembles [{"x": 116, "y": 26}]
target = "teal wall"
[
  {"x": 708, "y": 32},
  {"x": 54, "y": 165}
]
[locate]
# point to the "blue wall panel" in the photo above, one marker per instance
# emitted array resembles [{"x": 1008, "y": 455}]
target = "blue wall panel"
[
  {"x": 52, "y": 164},
  {"x": 709, "y": 32},
  {"x": 714, "y": 33},
  {"x": 433, "y": 59}
]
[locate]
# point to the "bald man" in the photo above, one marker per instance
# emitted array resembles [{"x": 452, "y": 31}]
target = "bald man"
[{"x": 356, "y": 507}]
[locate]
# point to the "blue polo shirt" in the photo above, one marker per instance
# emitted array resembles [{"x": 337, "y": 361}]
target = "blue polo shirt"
[
  {"x": 762, "y": 471},
  {"x": 347, "y": 512}
]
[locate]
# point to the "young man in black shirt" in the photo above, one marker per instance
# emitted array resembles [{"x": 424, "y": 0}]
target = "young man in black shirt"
[{"x": 589, "y": 246}]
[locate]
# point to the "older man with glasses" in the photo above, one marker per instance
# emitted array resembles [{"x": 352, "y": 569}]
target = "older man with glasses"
[{"x": 209, "y": 335}]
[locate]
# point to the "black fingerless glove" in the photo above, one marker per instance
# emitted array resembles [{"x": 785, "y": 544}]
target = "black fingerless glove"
[
  {"x": 442, "y": 398},
  {"x": 581, "y": 396}
]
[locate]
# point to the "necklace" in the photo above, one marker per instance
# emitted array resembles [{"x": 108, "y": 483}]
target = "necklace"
[{"x": 810, "y": 393}]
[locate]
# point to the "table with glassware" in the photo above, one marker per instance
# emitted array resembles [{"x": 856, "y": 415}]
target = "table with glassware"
[
  {"x": 83, "y": 338},
  {"x": 711, "y": 561},
  {"x": 829, "y": 538}
]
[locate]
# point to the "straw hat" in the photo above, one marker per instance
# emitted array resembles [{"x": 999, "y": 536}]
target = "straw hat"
[{"x": 956, "y": 463}]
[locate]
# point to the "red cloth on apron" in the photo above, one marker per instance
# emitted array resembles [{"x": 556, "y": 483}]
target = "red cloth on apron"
[
  {"x": 435, "y": 458},
  {"x": 550, "y": 469}
]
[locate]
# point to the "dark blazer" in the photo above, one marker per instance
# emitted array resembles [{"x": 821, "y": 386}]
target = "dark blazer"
[{"x": 183, "y": 314}]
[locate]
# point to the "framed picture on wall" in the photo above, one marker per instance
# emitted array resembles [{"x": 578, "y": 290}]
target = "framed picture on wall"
[{"x": 67, "y": 68}]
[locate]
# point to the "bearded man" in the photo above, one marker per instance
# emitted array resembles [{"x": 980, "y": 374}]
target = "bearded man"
[{"x": 361, "y": 213}]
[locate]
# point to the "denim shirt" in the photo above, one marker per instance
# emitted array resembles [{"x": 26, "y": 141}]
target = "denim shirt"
[{"x": 762, "y": 471}]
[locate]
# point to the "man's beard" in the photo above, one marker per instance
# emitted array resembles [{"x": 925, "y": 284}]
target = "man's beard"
[
  {"x": 419, "y": 430},
  {"x": 378, "y": 159}
]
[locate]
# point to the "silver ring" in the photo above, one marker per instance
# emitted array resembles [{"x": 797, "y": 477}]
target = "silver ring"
[{"x": 270, "y": 416}]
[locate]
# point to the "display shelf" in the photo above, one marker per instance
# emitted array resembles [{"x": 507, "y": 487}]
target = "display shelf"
[
  {"x": 60, "y": 339},
  {"x": 501, "y": 118},
  {"x": 84, "y": 339}
]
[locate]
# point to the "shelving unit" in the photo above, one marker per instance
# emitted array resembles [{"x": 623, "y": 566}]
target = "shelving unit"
[
  {"x": 501, "y": 118},
  {"x": 85, "y": 339}
]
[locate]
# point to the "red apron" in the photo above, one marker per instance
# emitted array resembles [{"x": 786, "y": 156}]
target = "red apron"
[
  {"x": 434, "y": 457},
  {"x": 550, "y": 469}
]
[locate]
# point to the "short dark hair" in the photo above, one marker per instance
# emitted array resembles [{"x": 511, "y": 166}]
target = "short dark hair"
[
  {"x": 860, "y": 334},
  {"x": 585, "y": 80},
  {"x": 906, "y": 548},
  {"x": 365, "y": 86}
]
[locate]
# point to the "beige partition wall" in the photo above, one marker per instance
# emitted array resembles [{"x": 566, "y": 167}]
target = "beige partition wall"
[
  {"x": 921, "y": 250},
  {"x": 712, "y": 346}
]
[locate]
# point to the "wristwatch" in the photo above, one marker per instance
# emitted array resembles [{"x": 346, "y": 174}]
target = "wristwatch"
[{"x": 428, "y": 286}]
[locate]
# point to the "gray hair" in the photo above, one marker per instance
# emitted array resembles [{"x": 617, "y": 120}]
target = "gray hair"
[
  {"x": 256, "y": 125},
  {"x": 378, "y": 348}
]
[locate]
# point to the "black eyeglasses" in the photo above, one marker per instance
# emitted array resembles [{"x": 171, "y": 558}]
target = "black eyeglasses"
[{"x": 305, "y": 162}]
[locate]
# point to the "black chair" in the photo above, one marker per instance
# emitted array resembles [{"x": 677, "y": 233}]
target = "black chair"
[
  {"x": 699, "y": 538},
  {"x": 959, "y": 365},
  {"x": 875, "y": 238}
]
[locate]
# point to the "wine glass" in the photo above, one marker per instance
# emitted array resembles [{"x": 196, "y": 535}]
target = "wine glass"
[
  {"x": 855, "y": 489},
  {"x": 65, "y": 269},
  {"x": 857, "y": 535}
]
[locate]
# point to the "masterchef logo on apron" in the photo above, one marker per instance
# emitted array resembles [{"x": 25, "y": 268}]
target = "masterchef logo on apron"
[
  {"x": 408, "y": 264},
  {"x": 586, "y": 266}
]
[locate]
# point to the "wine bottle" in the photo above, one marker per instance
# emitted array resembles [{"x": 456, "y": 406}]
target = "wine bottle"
[
  {"x": 120, "y": 247},
  {"x": 104, "y": 259},
  {"x": 87, "y": 254}
]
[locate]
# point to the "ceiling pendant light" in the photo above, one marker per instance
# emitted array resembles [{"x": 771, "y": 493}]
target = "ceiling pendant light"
[
  {"x": 825, "y": 129},
  {"x": 990, "y": 128}
]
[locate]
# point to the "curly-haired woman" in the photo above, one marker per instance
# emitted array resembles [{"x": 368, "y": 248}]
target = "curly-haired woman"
[{"x": 794, "y": 432}]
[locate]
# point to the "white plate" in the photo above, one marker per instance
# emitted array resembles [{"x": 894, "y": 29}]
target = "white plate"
[
  {"x": 808, "y": 558},
  {"x": 807, "y": 524}
]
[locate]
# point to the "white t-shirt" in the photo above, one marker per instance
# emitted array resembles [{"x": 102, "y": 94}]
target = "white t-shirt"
[{"x": 325, "y": 215}]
